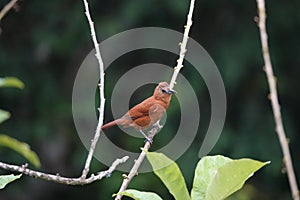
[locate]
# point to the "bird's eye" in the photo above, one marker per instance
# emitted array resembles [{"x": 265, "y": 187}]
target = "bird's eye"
[{"x": 163, "y": 90}]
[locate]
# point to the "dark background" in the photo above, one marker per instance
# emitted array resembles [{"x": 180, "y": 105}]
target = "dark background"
[{"x": 44, "y": 43}]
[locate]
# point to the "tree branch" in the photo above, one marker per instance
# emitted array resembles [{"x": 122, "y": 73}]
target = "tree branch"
[
  {"x": 274, "y": 100},
  {"x": 137, "y": 163},
  {"x": 101, "y": 88},
  {"x": 81, "y": 180},
  {"x": 154, "y": 130},
  {"x": 63, "y": 180},
  {"x": 6, "y": 8},
  {"x": 183, "y": 44}
]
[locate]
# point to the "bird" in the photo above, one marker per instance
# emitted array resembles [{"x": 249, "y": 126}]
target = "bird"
[{"x": 148, "y": 112}]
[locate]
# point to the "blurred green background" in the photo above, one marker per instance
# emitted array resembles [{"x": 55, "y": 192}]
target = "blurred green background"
[{"x": 44, "y": 42}]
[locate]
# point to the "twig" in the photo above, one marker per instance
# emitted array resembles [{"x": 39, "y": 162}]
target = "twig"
[
  {"x": 183, "y": 44},
  {"x": 63, "y": 180},
  {"x": 6, "y": 8},
  {"x": 133, "y": 172},
  {"x": 152, "y": 133},
  {"x": 81, "y": 180},
  {"x": 101, "y": 88},
  {"x": 274, "y": 100}
]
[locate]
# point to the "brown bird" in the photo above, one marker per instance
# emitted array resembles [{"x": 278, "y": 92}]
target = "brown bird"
[{"x": 147, "y": 113}]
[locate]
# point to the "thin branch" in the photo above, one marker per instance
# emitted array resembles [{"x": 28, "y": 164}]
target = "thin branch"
[
  {"x": 63, "y": 180},
  {"x": 7, "y": 8},
  {"x": 94, "y": 141},
  {"x": 81, "y": 180},
  {"x": 134, "y": 170},
  {"x": 183, "y": 44},
  {"x": 152, "y": 133},
  {"x": 274, "y": 100}
]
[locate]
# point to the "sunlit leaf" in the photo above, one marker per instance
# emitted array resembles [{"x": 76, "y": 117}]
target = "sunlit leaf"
[
  {"x": 138, "y": 195},
  {"x": 206, "y": 169},
  {"x": 170, "y": 174},
  {"x": 5, "y": 179},
  {"x": 217, "y": 177},
  {"x": 20, "y": 147},
  {"x": 231, "y": 177},
  {"x": 11, "y": 82},
  {"x": 4, "y": 115}
]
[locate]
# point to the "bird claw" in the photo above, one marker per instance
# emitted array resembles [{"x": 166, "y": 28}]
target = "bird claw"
[
  {"x": 108, "y": 175},
  {"x": 147, "y": 139}
]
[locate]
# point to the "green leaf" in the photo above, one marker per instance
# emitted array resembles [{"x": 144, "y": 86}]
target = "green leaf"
[
  {"x": 217, "y": 177},
  {"x": 138, "y": 195},
  {"x": 204, "y": 173},
  {"x": 11, "y": 82},
  {"x": 170, "y": 174},
  {"x": 233, "y": 175},
  {"x": 21, "y": 148},
  {"x": 4, "y": 115},
  {"x": 5, "y": 179}
]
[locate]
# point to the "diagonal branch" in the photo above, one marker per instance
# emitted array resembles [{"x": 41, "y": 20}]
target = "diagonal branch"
[
  {"x": 7, "y": 8},
  {"x": 274, "y": 100},
  {"x": 134, "y": 170},
  {"x": 183, "y": 44},
  {"x": 152, "y": 133}
]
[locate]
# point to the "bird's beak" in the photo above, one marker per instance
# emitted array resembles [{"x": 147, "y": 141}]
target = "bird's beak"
[{"x": 171, "y": 91}]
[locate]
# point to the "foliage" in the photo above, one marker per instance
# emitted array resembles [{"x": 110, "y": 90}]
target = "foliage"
[
  {"x": 138, "y": 195},
  {"x": 5, "y": 179},
  {"x": 4, "y": 115},
  {"x": 216, "y": 177},
  {"x": 11, "y": 82},
  {"x": 21, "y": 148},
  {"x": 171, "y": 175},
  {"x": 45, "y": 51},
  {"x": 9, "y": 142}
]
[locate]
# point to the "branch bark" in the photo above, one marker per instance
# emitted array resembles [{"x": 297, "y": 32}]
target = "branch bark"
[
  {"x": 101, "y": 88},
  {"x": 7, "y": 8},
  {"x": 134, "y": 170},
  {"x": 274, "y": 100},
  {"x": 183, "y": 44},
  {"x": 152, "y": 133},
  {"x": 81, "y": 180},
  {"x": 63, "y": 180}
]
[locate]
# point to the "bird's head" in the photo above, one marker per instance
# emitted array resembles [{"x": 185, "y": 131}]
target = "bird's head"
[{"x": 163, "y": 91}]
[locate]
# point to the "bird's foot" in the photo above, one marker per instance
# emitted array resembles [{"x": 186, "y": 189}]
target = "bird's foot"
[
  {"x": 108, "y": 175},
  {"x": 147, "y": 139}
]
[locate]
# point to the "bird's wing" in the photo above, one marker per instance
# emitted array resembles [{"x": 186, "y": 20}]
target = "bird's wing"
[
  {"x": 149, "y": 107},
  {"x": 156, "y": 108},
  {"x": 140, "y": 110},
  {"x": 156, "y": 112}
]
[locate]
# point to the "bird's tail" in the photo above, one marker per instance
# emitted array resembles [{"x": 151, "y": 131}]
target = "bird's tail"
[{"x": 109, "y": 124}]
